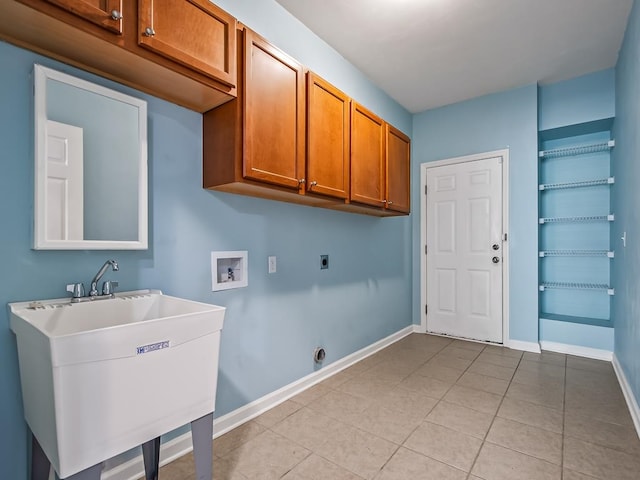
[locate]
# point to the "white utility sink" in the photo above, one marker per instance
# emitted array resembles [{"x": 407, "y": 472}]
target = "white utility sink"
[{"x": 101, "y": 377}]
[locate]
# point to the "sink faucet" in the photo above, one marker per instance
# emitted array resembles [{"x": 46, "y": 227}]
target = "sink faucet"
[{"x": 94, "y": 283}]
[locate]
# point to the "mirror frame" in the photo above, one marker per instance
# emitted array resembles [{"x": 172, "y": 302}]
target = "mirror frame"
[{"x": 41, "y": 75}]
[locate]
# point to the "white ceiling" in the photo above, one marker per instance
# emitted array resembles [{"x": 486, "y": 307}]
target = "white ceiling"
[{"x": 429, "y": 53}]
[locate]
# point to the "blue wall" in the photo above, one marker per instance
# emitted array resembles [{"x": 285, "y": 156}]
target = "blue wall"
[
  {"x": 583, "y": 99},
  {"x": 492, "y": 122},
  {"x": 625, "y": 201},
  {"x": 273, "y": 325}
]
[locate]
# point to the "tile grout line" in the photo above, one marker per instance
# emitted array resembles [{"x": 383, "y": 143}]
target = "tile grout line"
[{"x": 484, "y": 439}]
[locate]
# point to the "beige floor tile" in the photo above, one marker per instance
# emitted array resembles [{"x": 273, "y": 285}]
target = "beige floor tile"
[
  {"x": 311, "y": 394},
  {"x": 357, "y": 451},
  {"x": 408, "y": 465},
  {"x": 267, "y": 456},
  {"x": 603, "y": 407},
  {"x": 392, "y": 425},
  {"x": 445, "y": 445},
  {"x": 531, "y": 414},
  {"x": 499, "y": 463},
  {"x": 600, "y": 462},
  {"x": 483, "y": 382},
  {"x": 427, "y": 386},
  {"x": 461, "y": 419},
  {"x": 619, "y": 437},
  {"x": 317, "y": 468},
  {"x": 571, "y": 475},
  {"x": 491, "y": 370},
  {"x": 459, "y": 352},
  {"x": 499, "y": 350},
  {"x": 475, "y": 399},
  {"x": 182, "y": 468},
  {"x": 439, "y": 372},
  {"x": 334, "y": 381},
  {"x": 537, "y": 379},
  {"x": 499, "y": 360},
  {"x": 407, "y": 401},
  {"x": 223, "y": 469},
  {"x": 340, "y": 406},
  {"x": 526, "y": 439},
  {"x": 278, "y": 413},
  {"x": 366, "y": 387},
  {"x": 450, "y": 361},
  {"x": 546, "y": 357},
  {"x": 475, "y": 346},
  {"x": 592, "y": 380},
  {"x": 589, "y": 364},
  {"x": 551, "y": 396},
  {"x": 388, "y": 374},
  {"x": 307, "y": 427},
  {"x": 543, "y": 370},
  {"x": 236, "y": 437}
]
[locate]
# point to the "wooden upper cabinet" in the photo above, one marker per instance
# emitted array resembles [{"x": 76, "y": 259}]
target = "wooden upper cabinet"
[
  {"x": 194, "y": 33},
  {"x": 328, "y": 134},
  {"x": 274, "y": 115},
  {"x": 367, "y": 157},
  {"x": 104, "y": 13},
  {"x": 398, "y": 170}
]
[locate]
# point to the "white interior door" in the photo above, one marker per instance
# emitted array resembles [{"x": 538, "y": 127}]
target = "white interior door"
[
  {"x": 64, "y": 182},
  {"x": 464, "y": 249}
]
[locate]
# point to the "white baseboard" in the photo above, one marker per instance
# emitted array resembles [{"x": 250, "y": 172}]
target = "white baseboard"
[
  {"x": 578, "y": 351},
  {"x": 632, "y": 402},
  {"x": 169, "y": 451},
  {"x": 524, "y": 346}
]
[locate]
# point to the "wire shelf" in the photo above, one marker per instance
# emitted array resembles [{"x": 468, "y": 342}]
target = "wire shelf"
[
  {"x": 576, "y": 253},
  {"x": 577, "y": 150},
  {"x": 586, "y": 183},
  {"x": 576, "y": 286},
  {"x": 591, "y": 218}
]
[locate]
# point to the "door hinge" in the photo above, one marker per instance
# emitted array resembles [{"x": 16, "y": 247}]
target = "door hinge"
[
  {"x": 426, "y": 309},
  {"x": 426, "y": 249},
  {"x": 425, "y": 189},
  {"x": 505, "y": 237}
]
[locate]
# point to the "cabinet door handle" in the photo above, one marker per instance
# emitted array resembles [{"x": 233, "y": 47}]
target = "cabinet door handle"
[
  {"x": 384, "y": 201},
  {"x": 389, "y": 203},
  {"x": 149, "y": 32},
  {"x": 301, "y": 181},
  {"x": 116, "y": 15},
  {"x": 313, "y": 184}
]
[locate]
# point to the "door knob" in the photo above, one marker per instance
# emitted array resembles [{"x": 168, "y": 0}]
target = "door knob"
[
  {"x": 495, "y": 260},
  {"x": 495, "y": 246},
  {"x": 116, "y": 15},
  {"x": 149, "y": 32}
]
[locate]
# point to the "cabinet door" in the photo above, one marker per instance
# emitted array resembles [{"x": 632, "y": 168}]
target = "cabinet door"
[
  {"x": 105, "y": 13},
  {"x": 327, "y": 138},
  {"x": 194, "y": 33},
  {"x": 274, "y": 120},
  {"x": 398, "y": 170},
  {"x": 367, "y": 157}
]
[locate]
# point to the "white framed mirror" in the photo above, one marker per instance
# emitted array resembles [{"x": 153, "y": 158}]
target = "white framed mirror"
[{"x": 90, "y": 166}]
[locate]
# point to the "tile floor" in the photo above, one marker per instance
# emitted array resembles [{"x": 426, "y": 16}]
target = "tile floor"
[{"x": 434, "y": 408}]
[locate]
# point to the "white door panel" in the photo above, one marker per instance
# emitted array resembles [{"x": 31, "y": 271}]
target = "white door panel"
[
  {"x": 64, "y": 184},
  {"x": 464, "y": 221}
]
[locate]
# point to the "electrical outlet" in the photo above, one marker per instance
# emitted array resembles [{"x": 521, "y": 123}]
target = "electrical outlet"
[
  {"x": 324, "y": 262},
  {"x": 272, "y": 264}
]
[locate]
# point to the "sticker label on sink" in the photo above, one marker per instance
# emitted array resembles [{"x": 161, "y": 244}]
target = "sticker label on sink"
[{"x": 152, "y": 347}]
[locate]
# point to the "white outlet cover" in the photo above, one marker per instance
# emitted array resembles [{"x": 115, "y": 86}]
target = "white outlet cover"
[{"x": 272, "y": 264}]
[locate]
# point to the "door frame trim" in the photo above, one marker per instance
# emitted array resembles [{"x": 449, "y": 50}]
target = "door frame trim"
[{"x": 504, "y": 154}]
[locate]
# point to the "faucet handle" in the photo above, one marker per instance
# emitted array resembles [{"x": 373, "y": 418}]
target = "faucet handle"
[
  {"x": 76, "y": 289},
  {"x": 108, "y": 287}
]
